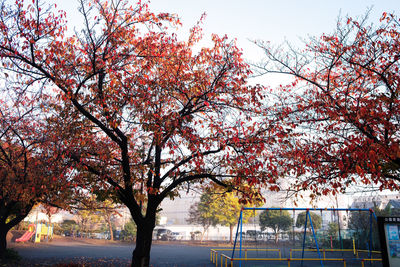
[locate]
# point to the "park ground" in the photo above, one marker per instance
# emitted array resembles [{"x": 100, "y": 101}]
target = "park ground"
[
  {"x": 68, "y": 251},
  {"x": 82, "y": 252}
]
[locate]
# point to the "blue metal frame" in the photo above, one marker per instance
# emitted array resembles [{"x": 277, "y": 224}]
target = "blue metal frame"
[
  {"x": 370, "y": 236},
  {"x": 237, "y": 230},
  {"x": 315, "y": 239},
  {"x": 240, "y": 221},
  {"x": 304, "y": 238}
]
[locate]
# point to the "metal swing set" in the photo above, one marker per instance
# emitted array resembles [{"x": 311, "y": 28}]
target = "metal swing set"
[{"x": 226, "y": 260}]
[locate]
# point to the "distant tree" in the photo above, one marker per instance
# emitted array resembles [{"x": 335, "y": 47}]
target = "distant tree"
[
  {"x": 69, "y": 226},
  {"x": 333, "y": 229},
  {"x": 129, "y": 231},
  {"x": 316, "y": 220},
  {"x": 108, "y": 210},
  {"x": 360, "y": 223},
  {"x": 202, "y": 214},
  {"x": 87, "y": 219},
  {"x": 278, "y": 220},
  {"x": 50, "y": 210},
  {"x": 227, "y": 206}
]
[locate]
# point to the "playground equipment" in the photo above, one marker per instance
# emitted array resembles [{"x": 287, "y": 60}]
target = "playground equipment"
[
  {"x": 310, "y": 254},
  {"x": 28, "y": 234},
  {"x": 43, "y": 231},
  {"x": 39, "y": 231}
]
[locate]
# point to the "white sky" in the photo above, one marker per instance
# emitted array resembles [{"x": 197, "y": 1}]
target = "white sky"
[{"x": 268, "y": 20}]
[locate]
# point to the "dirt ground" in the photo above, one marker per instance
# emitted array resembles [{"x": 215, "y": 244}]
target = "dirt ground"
[{"x": 68, "y": 251}]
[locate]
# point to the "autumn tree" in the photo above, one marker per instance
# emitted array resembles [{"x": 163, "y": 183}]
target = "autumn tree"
[
  {"x": 341, "y": 110},
  {"x": 49, "y": 210},
  {"x": 226, "y": 208},
  {"x": 87, "y": 220},
  {"x": 32, "y": 169},
  {"x": 109, "y": 210},
  {"x": 202, "y": 214},
  {"x": 278, "y": 220},
  {"x": 167, "y": 116}
]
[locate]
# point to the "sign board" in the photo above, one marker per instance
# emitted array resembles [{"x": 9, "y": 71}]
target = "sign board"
[{"x": 389, "y": 235}]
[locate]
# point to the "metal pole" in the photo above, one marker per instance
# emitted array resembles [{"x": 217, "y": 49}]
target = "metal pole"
[
  {"x": 304, "y": 238},
  {"x": 315, "y": 238},
  {"x": 241, "y": 232},
  {"x": 370, "y": 235},
  {"x": 237, "y": 230}
]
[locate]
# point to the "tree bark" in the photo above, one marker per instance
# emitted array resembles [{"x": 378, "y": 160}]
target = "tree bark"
[
  {"x": 144, "y": 238},
  {"x": 3, "y": 240},
  {"x": 108, "y": 218},
  {"x": 5, "y": 227},
  {"x": 231, "y": 233}
]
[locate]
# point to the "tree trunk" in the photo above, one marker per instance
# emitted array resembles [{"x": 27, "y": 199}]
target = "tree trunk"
[
  {"x": 231, "y": 233},
  {"x": 5, "y": 227},
  {"x": 144, "y": 238},
  {"x": 3, "y": 240},
  {"x": 110, "y": 228},
  {"x": 204, "y": 232}
]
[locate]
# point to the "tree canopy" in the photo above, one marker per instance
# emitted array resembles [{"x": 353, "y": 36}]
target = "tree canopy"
[
  {"x": 340, "y": 113},
  {"x": 315, "y": 218},
  {"x": 153, "y": 114},
  {"x": 33, "y": 168},
  {"x": 278, "y": 220},
  {"x": 202, "y": 214}
]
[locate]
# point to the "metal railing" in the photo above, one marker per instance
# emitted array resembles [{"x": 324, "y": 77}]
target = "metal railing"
[
  {"x": 226, "y": 261},
  {"x": 355, "y": 251}
]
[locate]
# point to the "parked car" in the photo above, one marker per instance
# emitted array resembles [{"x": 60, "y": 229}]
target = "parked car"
[
  {"x": 176, "y": 236},
  {"x": 67, "y": 233},
  {"x": 164, "y": 234},
  {"x": 253, "y": 234}
]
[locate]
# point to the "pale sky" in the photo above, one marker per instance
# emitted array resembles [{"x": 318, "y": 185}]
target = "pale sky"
[{"x": 269, "y": 20}]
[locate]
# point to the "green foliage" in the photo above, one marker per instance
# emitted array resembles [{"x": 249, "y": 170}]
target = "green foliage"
[
  {"x": 129, "y": 231},
  {"x": 57, "y": 229},
  {"x": 201, "y": 212},
  {"x": 333, "y": 229},
  {"x": 359, "y": 223},
  {"x": 69, "y": 225},
  {"x": 316, "y": 220},
  {"x": 276, "y": 219}
]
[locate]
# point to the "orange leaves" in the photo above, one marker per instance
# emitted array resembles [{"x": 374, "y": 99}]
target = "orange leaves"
[{"x": 140, "y": 110}]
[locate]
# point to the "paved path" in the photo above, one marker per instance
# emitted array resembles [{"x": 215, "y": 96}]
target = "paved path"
[
  {"x": 114, "y": 254},
  {"x": 104, "y": 254}
]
